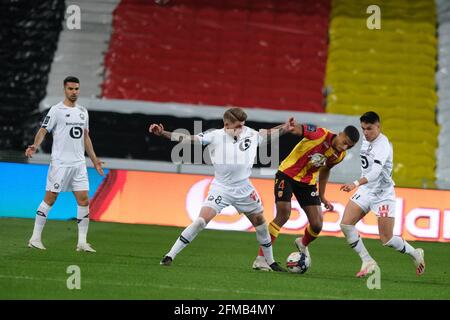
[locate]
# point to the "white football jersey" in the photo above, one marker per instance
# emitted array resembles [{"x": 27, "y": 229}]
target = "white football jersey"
[
  {"x": 377, "y": 153},
  {"x": 232, "y": 158},
  {"x": 67, "y": 125}
]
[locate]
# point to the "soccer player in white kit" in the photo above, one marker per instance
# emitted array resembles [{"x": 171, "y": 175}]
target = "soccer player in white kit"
[
  {"x": 233, "y": 151},
  {"x": 375, "y": 193},
  {"x": 69, "y": 124}
]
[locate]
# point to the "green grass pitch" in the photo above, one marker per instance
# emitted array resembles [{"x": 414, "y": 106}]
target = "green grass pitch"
[{"x": 217, "y": 265}]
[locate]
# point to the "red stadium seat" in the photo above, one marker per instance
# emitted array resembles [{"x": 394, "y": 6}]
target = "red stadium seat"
[{"x": 251, "y": 53}]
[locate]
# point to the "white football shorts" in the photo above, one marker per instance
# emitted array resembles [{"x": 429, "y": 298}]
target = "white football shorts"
[
  {"x": 61, "y": 179},
  {"x": 244, "y": 199},
  {"x": 382, "y": 204}
]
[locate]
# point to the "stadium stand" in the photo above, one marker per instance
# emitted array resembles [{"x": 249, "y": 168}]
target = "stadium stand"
[
  {"x": 81, "y": 51},
  {"x": 29, "y": 36},
  {"x": 248, "y": 53},
  {"x": 390, "y": 72},
  {"x": 443, "y": 83}
]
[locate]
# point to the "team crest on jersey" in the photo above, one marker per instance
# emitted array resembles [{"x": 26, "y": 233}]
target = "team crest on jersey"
[
  {"x": 318, "y": 160},
  {"x": 82, "y": 116},
  {"x": 383, "y": 210}
]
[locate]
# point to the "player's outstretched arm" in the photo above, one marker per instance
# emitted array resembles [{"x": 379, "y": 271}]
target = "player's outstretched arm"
[
  {"x": 40, "y": 135},
  {"x": 279, "y": 130},
  {"x": 91, "y": 153},
  {"x": 296, "y": 128},
  {"x": 324, "y": 175},
  {"x": 158, "y": 130}
]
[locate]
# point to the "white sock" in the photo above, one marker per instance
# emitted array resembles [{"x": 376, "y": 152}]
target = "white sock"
[
  {"x": 355, "y": 242},
  {"x": 187, "y": 236},
  {"x": 83, "y": 223},
  {"x": 263, "y": 237},
  {"x": 39, "y": 222},
  {"x": 402, "y": 246}
]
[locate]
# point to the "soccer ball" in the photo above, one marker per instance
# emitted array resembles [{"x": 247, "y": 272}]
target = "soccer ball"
[{"x": 298, "y": 262}]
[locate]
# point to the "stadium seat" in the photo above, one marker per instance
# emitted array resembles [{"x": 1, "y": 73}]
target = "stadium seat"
[
  {"x": 248, "y": 41},
  {"x": 390, "y": 72}
]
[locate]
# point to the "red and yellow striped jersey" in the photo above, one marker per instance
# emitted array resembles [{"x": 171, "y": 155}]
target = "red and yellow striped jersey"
[{"x": 310, "y": 154}]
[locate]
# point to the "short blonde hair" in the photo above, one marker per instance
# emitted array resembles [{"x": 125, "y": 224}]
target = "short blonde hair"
[{"x": 234, "y": 115}]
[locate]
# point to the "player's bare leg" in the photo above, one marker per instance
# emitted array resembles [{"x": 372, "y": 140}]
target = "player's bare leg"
[
  {"x": 189, "y": 234},
  {"x": 352, "y": 214},
  {"x": 315, "y": 218},
  {"x": 41, "y": 218},
  {"x": 386, "y": 227},
  {"x": 282, "y": 216},
  {"x": 82, "y": 199},
  {"x": 264, "y": 240}
]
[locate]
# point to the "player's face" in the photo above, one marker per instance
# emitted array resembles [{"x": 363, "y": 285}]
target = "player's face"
[
  {"x": 72, "y": 90},
  {"x": 234, "y": 128},
  {"x": 342, "y": 142},
  {"x": 370, "y": 130}
]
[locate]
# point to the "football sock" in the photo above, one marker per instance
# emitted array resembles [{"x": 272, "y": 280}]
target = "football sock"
[
  {"x": 187, "y": 236},
  {"x": 83, "y": 223},
  {"x": 274, "y": 231},
  {"x": 309, "y": 236},
  {"x": 39, "y": 222},
  {"x": 402, "y": 246},
  {"x": 263, "y": 237},
  {"x": 355, "y": 241}
]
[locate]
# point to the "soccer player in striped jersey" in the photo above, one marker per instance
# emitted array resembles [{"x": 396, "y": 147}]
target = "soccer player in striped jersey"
[
  {"x": 312, "y": 158},
  {"x": 375, "y": 193}
]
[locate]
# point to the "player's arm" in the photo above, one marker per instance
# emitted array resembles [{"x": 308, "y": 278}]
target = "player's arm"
[
  {"x": 91, "y": 153},
  {"x": 278, "y": 131},
  {"x": 324, "y": 175},
  {"x": 380, "y": 158},
  {"x": 297, "y": 129},
  {"x": 40, "y": 135},
  {"x": 158, "y": 130}
]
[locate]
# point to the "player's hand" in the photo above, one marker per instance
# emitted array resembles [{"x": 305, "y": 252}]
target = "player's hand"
[
  {"x": 30, "y": 151},
  {"x": 328, "y": 205},
  {"x": 348, "y": 187},
  {"x": 98, "y": 166},
  {"x": 156, "y": 129},
  {"x": 290, "y": 124}
]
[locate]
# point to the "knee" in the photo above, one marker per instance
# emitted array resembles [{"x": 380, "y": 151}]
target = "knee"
[
  {"x": 50, "y": 199},
  {"x": 258, "y": 220},
  {"x": 316, "y": 226},
  {"x": 83, "y": 201}
]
